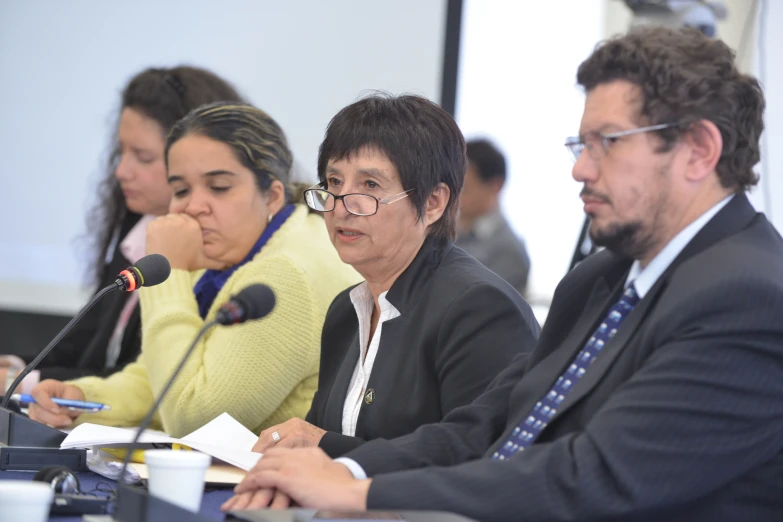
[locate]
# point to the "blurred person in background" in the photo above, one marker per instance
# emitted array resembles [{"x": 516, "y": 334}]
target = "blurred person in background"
[
  {"x": 133, "y": 193},
  {"x": 235, "y": 220},
  {"x": 483, "y": 231}
]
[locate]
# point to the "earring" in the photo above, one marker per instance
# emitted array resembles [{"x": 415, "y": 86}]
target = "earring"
[{"x": 269, "y": 218}]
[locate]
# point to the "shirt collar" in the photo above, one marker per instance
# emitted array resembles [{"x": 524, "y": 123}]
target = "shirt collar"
[
  {"x": 361, "y": 297},
  {"x": 644, "y": 278},
  {"x": 485, "y": 226},
  {"x": 134, "y": 244},
  {"x": 407, "y": 288}
]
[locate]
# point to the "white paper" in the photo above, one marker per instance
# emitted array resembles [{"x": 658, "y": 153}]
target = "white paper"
[
  {"x": 224, "y": 430},
  {"x": 223, "y": 438}
]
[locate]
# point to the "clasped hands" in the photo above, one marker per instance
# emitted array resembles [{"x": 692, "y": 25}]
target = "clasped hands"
[
  {"x": 294, "y": 471},
  {"x": 306, "y": 477}
]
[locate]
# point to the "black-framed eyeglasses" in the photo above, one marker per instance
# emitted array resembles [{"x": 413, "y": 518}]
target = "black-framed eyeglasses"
[
  {"x": 597, "y": 143},
  {"x": 322, "y": 200}
]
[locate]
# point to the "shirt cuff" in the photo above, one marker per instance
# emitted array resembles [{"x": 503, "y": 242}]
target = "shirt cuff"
[
  {"x": 356, "y": 470},
  {"x": 30, "y": 382}
]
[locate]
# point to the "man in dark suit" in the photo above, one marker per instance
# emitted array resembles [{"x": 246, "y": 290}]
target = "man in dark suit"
[{"x": 655, "y": 391}]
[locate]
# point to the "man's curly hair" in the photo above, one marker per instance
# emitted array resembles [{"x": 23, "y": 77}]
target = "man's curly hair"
[{"x": 686, "y": 77}]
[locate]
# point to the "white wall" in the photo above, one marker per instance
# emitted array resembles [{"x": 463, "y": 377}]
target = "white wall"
[
  {"x": 63, "y": 65},
  {"x": 517, "y": 87},
  {"x": 740, "y": 31},
  {"x": 771, "y": 75}
]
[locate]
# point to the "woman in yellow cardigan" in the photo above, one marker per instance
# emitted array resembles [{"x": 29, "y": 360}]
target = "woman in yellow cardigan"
[{"x": 231, "y": 214}]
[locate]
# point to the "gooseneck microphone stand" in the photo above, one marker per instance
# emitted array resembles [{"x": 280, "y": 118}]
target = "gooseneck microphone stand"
[{"x": 29, "y": 445}]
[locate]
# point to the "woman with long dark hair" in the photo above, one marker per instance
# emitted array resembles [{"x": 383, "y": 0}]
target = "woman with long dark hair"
[{"x": 134, "y": 191}]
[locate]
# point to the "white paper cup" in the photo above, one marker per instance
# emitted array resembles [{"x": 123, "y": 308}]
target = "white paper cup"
[
  {"x": 25, "y": 500},
  {"x": 177, "y": 476}
]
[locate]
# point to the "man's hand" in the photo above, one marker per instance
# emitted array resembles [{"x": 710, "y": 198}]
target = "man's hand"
[
  {"x": 307, "y": 477},
  {"x": 44, "y": 410},
  {"x": 293, "y": 433}
]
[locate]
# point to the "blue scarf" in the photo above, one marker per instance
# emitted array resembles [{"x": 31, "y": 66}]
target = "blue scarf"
[{"x": 212, "y": 281}]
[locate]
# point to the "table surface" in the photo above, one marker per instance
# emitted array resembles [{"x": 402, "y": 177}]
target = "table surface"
[{"x": 91, "y": 483}]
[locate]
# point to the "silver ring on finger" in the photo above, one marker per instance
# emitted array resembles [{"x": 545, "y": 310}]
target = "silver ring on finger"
[{"x": 275, "y": 437}]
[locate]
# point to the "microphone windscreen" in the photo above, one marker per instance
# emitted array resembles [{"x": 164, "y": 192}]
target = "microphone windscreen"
[
  {"x": 257, "y": 300},
  {"x": 154, "y": 269}
]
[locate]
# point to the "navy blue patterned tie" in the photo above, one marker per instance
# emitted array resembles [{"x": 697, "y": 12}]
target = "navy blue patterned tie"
[{"x": 528, "y": 430}]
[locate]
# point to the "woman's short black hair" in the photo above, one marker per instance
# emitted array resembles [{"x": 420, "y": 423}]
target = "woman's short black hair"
[{"x": 421, "y": 140}]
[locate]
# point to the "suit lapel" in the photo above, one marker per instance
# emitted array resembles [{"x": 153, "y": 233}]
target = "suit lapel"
[
  {"x": 613, "y": 348},
  {"x": 385, "y": 366},
  {"x": 591, "y": 312},
  {"x": 540, "y": 378},
  {"x": 735, "y": 216},
  {"x": 333, "y": 413}
]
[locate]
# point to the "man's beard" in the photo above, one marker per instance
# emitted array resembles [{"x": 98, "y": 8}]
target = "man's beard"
[{"x": 625, "y": 239}]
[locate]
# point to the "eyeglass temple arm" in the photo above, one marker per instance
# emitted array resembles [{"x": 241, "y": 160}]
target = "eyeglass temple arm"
[{"x": 396, "y": 197}]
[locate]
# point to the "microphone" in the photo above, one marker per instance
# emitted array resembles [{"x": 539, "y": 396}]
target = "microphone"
[
  {"x": 148, "y": 271},
  {"x": 253, "y": 302}
]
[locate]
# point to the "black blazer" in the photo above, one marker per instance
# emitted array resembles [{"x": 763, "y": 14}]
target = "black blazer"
[
  {"x": 83, "y": 351},
  {"x": 680, "y": 418},
  {"x": 460, "y": 325}
]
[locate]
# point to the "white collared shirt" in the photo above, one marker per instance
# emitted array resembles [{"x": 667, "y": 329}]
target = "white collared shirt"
[
  {"x": 642, "y": 278},
  {"x": 368, "y": 348},
  {"x": 132, "y": 247}
]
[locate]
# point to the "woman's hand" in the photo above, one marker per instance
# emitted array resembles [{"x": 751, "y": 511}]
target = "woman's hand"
[
  {"x": 293, "y": 433},
  {"x": 178, "y": 238},
  {"x": 44, "y": 410}
]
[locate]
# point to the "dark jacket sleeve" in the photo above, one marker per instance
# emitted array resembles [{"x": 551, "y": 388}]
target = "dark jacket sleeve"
[
  {"x": 464, "y": 434},
  {"x": 704, "y": 409},
  {"x": 336, "y": 444},
  {"x": 482, "y": 331}
]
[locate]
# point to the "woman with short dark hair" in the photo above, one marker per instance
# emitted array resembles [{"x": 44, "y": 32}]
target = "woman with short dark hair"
[{"x": 430, "y": 327}]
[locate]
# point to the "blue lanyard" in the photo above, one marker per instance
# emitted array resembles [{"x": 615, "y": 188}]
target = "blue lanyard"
[{"x": 212, "y": 281}]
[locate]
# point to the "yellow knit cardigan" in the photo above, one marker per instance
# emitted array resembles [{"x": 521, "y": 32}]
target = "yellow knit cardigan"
[{"x": 262, "y": 372}]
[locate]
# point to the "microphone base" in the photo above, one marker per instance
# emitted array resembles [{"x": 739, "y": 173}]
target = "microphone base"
[
  {"x": 28, "y": 445},
  {"x": 137, "y": 505},
  {"x": 19, "y": 458},
  {"x": 19, "y": 430}
]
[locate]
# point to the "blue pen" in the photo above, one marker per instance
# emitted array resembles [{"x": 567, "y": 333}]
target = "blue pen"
[{"x": 65, "y": 403}]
